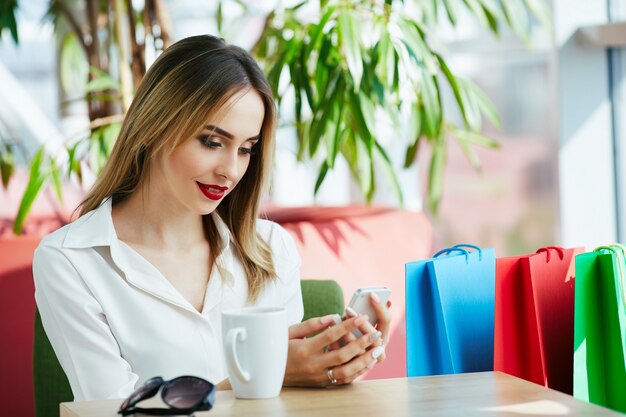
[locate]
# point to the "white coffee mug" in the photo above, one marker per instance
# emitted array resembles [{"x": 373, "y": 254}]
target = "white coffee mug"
[{"x": 255, "y": 348}]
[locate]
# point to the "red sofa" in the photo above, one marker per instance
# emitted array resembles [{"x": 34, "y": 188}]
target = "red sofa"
[
  {"x": 356, "y": 246},
  {"x": 17, "y": 308}
]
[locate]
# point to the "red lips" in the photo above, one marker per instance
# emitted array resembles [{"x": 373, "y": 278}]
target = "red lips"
[{"x": 212, "y": 191}]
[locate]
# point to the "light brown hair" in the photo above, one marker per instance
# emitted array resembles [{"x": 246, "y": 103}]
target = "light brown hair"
[{"x": 190, "y": 80}]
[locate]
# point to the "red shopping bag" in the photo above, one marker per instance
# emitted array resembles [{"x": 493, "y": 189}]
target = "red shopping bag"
[{"x": 534, "y": 317}]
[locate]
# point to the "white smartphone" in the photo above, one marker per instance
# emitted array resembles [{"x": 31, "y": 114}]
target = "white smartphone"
[{"x": 361, "y": 303}]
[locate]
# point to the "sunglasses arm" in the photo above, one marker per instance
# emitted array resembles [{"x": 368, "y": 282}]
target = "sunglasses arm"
[{"x": 156, "y": 411}]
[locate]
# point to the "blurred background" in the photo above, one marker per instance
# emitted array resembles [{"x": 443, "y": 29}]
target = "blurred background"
[{"x": 552, "y": 174}]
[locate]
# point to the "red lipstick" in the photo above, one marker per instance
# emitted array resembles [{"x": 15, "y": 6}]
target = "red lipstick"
[{"x": 212, "y": 191}]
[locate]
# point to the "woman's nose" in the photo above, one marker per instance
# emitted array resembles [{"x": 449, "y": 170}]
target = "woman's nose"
[{"x": 228, "y": 166}]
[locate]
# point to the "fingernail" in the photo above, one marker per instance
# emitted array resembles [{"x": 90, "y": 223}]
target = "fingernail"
[
  {"x": 375, "y": 336},
  {"x": 326, "y": 320},
  {"x": 371, "y": 364},
  {"x": 350, "y": 312},
  {"x": 375, "y": 297},
  {"x": 377, "y": 352}
]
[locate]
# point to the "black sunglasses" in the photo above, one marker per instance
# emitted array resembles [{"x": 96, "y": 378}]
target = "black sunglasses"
[{"x": 184, "y": 395}]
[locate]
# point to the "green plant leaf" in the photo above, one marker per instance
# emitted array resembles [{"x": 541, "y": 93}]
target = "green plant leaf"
[
  {"x": 297, "y": 89},
  {"x": 102, "y": 83},
  {"x": 274, "y": 73},
  {"x": 364, "y": 168},
  {"x": 470, "y": 154},
  {"x": 96, "y": 150},
  {"x": 411, "y": 153},
  {"x": 474, "y": 138},
  {"x": 451, "y": 11},
  {"x": 358, "y": 118},
  {"x": 416, "y": 47},
  {"x": 351, "y": 47},
  {"x": 109, "y": 136},
  {"x": 317, "y": 31},
  {"x": 320, "y": 177},
  {"x": 471, "y": 109},
  {"x": 73, "y": 162},
  {"x": 388, "y": 169},
  {"x": 435, "y": 173},
  {"x": 541, "y": 11},
  {"x": 517, "y": 17},
  {"x": 483, "y": 102},
  {"x": 322, "y": 69},
  {"x": 220, "y": 16},
  {"x": 36, "y": 181},
  {"x": 492, "y": 21},
  {"x": 55, "y": 175},
  {"x": 431, "y": 109},
  {"x": 7, "y": 19},
  {"x": 415, "y": 134},
  {"x": 324, "y": 113},
  {"x": 466, "y": 139},
  {"x": 73, "y": 66},
  {"x": 478, "y": 11},
  {"x": 336, "y": 135},
  {"x": 453, "y": 84},
  {"x": 7, "y": 167},
  {"x": 306, "y": 80},
  {"x": 359, "y": 159},
  {"x": 368, "y": 110},
  {"x": 382, "y": 49}
]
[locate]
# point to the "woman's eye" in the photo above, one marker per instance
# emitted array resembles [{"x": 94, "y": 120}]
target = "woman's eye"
[
  {"x": 209, "y": 142},
  {"x": 247, "y": 151}
]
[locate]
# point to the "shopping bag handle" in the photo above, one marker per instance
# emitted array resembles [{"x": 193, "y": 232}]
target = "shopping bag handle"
[
  {"x": 621, "y": 255},
  {"x": 546, "y": 249},
  {"x": 467, "y": 245},
  {"x": 619, "y": 246},
  {"x": 453, "y": 249}
]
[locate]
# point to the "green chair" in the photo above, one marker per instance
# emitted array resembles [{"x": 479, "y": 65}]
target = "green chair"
[
  {"x": 321, "y": 298},
  {"x": 52, "y": 388}
]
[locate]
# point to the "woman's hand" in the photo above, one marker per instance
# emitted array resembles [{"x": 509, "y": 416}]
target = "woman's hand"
[
  {"x": 383, "y": 325},
  {"x": 309, "y": 363},
  {"x": 384, "y": 320}
]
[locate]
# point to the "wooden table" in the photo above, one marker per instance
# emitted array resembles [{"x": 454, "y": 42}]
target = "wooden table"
[{"x": 466, "y": 395}]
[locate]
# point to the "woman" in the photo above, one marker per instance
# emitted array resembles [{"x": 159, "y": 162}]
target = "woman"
[{"x": 168, "y": 238}]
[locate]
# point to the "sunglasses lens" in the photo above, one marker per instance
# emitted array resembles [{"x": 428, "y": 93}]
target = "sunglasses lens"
[
  {"x": 147, "y": 390},
  {"x": 186, "y": 392}
]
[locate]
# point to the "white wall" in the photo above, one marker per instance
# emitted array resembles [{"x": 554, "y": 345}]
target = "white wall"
[{"x": 587, "y": 174}]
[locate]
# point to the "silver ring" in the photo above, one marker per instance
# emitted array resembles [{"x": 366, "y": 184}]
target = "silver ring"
[{"x": 330, "y": 376}]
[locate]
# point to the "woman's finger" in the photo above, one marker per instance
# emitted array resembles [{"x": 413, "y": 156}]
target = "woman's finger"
[
  {"x": 351, "y": 350},
  {"x": 351, "y": 378},
  {"x": 347, "y": 372},
  {"x": 384, "y": 315},
  {"x": 313, "y": 325},
  {"x": 333, "y": 334}
]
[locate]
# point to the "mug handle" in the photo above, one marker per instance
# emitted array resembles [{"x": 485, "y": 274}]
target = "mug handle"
[{"x": 231, "y": 355}]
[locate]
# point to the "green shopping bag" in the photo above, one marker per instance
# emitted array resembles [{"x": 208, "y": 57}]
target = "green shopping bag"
[{"x": 600, "y": 327}]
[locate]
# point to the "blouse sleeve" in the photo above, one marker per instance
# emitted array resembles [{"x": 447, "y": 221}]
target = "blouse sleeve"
[{"x": 78, "y": 329}]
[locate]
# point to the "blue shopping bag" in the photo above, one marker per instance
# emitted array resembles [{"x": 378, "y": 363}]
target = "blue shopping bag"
[{"x": 450, "y": 301}]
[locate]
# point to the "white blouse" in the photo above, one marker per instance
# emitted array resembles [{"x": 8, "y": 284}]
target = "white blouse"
[{"x": 114, "y": 320}]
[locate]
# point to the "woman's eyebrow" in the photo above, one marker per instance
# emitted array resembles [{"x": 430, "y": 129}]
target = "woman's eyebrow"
[{"x": 229, "y": 135}]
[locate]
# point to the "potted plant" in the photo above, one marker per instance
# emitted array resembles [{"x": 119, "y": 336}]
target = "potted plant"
[{"x": 356, "y": 61}]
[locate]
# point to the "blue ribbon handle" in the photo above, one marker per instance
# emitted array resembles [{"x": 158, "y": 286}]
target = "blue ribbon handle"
[
  {"x": 453, "y": 249},
  {"x": 467, "y": 245}
]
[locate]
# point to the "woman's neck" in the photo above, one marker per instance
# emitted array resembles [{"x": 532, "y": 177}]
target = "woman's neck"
[{"x": 146, "y": 219}]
